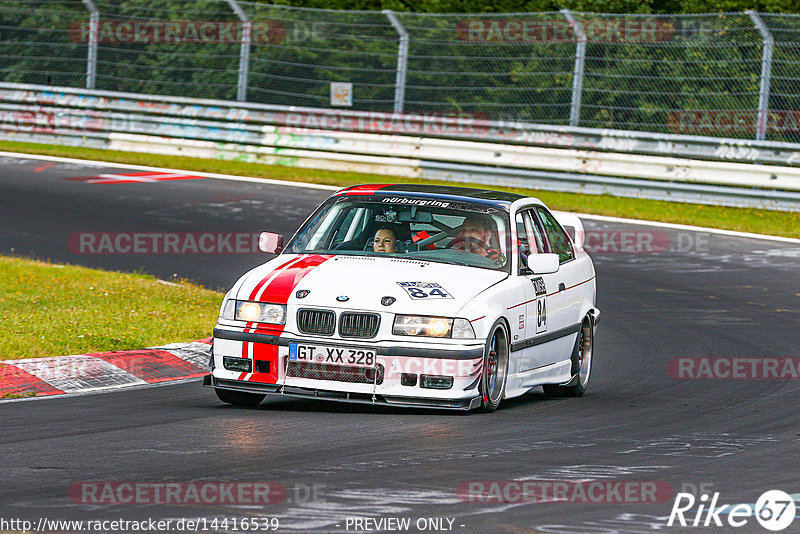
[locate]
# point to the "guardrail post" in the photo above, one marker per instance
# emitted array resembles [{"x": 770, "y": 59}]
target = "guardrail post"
[
  {"x": 402, "y": 61},
  {"x": 577, "y": 75},
  {"x": 94, "y": 29},
  {"x": 766, "y": 75},
  {"x": 244, "y": 51}
]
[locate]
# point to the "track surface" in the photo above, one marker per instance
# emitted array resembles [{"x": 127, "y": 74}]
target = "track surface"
[{"x": 715, "y": 296}]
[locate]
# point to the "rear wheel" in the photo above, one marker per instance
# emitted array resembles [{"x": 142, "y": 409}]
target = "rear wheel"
[
  {"x": 581, "y": 365},
  {"x": 495, "y": 367},
  {"x": 239, "y": 398}
]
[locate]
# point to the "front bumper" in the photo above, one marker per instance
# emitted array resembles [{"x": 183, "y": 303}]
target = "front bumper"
[
  {"x": 386, "y": 383},
  {"x": 342, "y": 396}
]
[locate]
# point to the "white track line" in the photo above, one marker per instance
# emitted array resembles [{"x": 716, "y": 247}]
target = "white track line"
[
  {"x": 674, "y": 226},
  {"x": 230, "y": 177},
  {"x": 233, "y": 178}
]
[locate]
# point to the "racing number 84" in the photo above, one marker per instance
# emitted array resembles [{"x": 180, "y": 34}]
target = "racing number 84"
[
  {"x": 417, "y": 293},
  {"x": 541, "y": 315},
  {"x": 424, "y": 290}
]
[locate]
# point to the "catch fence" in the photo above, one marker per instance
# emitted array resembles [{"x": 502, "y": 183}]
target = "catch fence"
[{"x": 731, "y": 75}]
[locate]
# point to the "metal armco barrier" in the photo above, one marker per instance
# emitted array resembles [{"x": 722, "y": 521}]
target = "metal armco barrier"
[{"x": 740, "y": 173}]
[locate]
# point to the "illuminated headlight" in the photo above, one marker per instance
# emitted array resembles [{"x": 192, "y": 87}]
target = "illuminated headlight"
[
  {"x": 254, "y": 312},
  {"x": 415, "y": 325}
]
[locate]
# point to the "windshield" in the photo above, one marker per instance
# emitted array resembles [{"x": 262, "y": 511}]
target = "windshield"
[{"x": 445, "y": 231}]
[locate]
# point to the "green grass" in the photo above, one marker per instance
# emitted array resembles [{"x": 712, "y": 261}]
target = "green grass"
[
  {"x": 22, "y": 395},
  {"x": 56, "y": 310},
  {"x": 740, "y": 219}
]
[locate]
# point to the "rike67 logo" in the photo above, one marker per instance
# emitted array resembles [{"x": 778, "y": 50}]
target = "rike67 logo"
[{"x": 774, "y": 510}]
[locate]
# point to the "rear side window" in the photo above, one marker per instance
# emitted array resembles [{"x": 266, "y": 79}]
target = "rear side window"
[{"x": 560, "y": 242}]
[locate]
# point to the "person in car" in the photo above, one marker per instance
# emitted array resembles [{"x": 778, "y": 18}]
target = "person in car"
[
  {"x": 477, "y": 235},
  {"x": 384, "y": 241}
]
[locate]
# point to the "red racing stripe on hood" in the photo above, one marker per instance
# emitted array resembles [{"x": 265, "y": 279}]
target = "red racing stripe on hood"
[
  {"x": 280, "y": 289},
  {"x": 277, "y": 291},
  {"x": 249, "y": 326},
  {"x": 264, "y": 280}
]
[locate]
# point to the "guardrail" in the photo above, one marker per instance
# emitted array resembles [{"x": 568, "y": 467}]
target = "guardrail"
[{"x": 697, "y": 169}]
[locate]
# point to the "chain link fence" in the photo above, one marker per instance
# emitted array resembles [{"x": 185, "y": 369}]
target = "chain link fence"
[{"x": 728, "y": 75}]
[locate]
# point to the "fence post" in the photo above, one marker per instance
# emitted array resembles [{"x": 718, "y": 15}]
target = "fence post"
[
  {"x": 580, "y": 60},
  {"x": 766, "y": 75},
  {"x": 402, "y": 61},
  {"x": 94, "y": 29},
  {"x": 244, "y": 51}
]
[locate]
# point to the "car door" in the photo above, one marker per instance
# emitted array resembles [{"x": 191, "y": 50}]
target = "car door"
[
  {"x": 539, "y": 291},
  {"x": 563, "y": 291}
]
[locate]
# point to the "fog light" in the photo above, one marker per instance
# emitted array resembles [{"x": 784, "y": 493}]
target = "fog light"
[
  {"x": 240, "y": 365},
  {"x": 408, "y": 379},
  {"x": 436, "y": 382}
]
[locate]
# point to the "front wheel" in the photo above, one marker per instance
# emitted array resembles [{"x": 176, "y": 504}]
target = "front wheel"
[
  {"x": 495, "y": 367},
  {"x": 239, "y": 398},
  {"x": 581, "y": 365}
]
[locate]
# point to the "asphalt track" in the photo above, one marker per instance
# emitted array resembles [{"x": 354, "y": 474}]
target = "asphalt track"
[{"x": 707, "y": 296}]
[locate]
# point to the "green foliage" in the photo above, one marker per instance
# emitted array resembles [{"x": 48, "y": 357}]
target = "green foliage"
[
  {"x": 55, "y": 310},
  {"x": 643, "y": 71},
  {"x": 524, "y": 6}
]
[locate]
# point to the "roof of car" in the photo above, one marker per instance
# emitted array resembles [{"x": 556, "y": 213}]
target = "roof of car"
[{"x": 485, "y": 196}]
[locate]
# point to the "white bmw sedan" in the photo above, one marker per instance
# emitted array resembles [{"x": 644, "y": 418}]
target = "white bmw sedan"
[{"x": 417, "y": 296}]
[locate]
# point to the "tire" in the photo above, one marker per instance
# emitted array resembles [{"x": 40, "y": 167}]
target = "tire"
[
  {"x": 239, "y": 398},
  {"x": 495, "y": 367},
  {"x": 581, "y": 365}
]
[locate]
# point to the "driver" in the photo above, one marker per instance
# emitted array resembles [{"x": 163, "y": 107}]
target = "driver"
[{"x": 475, "y": 236}]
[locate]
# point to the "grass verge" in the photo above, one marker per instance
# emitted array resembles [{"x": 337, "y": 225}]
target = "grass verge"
[
  {"x": 56, "y": 310},
  {"x": 739, "y": 219}
]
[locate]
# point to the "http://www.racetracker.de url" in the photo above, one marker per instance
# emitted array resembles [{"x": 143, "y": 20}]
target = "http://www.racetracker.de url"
[{"x": 216, "y": 524}]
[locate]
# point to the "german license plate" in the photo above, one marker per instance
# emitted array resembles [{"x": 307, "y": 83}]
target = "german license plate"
[{"x": 327, "y": 355}]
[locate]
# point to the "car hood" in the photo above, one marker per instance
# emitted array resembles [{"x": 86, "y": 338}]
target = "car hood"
[{"x": 364, "y": 281}]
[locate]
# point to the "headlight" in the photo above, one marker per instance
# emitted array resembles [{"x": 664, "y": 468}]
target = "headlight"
[
  {"x": 415, "y": 325},
  {"x": 254, "y": 312}
]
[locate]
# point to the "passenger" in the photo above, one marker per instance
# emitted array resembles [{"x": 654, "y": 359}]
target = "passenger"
[{"x": 385, "y": 241}]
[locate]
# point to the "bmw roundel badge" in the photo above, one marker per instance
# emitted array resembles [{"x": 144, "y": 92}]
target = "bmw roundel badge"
[
  {"x": 388, "y": 301},
  {"x": 342, "y": 298},
  {"x": 303, "y": 293}
]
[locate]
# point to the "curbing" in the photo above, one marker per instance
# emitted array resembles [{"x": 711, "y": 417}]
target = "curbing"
[{"x": 103, "y": 371}]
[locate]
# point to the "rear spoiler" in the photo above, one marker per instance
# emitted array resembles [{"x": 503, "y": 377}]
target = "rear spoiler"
[{"x": 573, "y": 225}]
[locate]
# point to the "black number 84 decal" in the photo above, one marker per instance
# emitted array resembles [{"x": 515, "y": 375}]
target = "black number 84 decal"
[
  {"x": 425, "y": 290},
  {"x": 541, "y": 315}
]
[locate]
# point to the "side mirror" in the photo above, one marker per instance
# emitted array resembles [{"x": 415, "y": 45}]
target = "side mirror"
[
  {"x": 270, "y": 243},
  {"x": 543, "y": 263}
]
